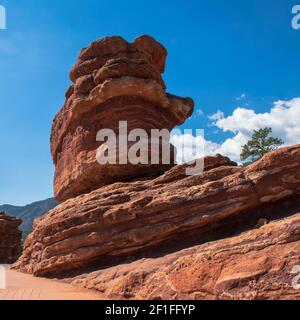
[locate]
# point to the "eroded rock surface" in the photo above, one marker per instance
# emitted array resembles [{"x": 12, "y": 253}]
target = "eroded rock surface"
[
  {"x": 10, "y": 238},
  {"x": 126, "y": 219},
  {"x": 257, "y": 265},
  {"x": 114, "y": 81}
]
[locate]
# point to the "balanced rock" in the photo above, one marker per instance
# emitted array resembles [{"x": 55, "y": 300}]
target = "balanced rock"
[
  {"x": 113, "y": 81},
  {"x": 125, "y": 220},
  {"x": 10, "y": 238}
]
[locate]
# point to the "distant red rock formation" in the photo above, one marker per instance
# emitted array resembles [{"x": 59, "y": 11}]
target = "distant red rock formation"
[
  {"x": 113, "y": 81},
  {"x": 10, "y": 238}
]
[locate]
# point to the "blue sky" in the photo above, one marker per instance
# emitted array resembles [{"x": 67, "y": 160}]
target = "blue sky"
[{"x": 224, "y": 53}]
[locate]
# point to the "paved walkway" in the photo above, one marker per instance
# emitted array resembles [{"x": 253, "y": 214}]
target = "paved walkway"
[{"x": 20, "y": 286}]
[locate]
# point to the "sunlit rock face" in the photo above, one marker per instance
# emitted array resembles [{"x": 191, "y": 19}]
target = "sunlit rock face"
[
  {"x": 113, "y": 81},
  {"x": 120, "y": 221},
  {"x": 153, "y": 231}
]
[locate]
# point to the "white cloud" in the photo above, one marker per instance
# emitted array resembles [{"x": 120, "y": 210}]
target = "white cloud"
[
  {"x": 217, "y": 116},
  {"x": 241, "y": 97},
  {"x": 186, "y": 145},
  {"x": 283, "y": 118},
  {"x": 199, "y": 112}
]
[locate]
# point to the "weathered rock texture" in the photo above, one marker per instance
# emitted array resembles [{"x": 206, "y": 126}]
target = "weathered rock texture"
[
  {"x": 256, "y": 265},
  {"x": 10, "y": 238},
  {"x": 126, "y": 219},
  {"x": 113, "y": 81}
]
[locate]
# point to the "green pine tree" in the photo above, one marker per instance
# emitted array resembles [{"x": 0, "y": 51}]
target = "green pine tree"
[{"x": 259, "y": 145}]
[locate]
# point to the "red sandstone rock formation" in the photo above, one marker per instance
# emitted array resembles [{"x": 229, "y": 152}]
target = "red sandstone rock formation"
[
  {"x": 113, "y": 81},
  {"x": 257, "y": 265},
  {"x": 147, "y": 236},
  {"x": 126, "y": 219},
  {"x": 10, "y": 238}
]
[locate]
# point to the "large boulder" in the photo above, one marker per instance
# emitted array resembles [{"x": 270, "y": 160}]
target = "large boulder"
[
  {"x": 114, "y": 81},
  {"x": 10, "y": 238},
  {"x": 260, "y": 264},
  {"x": 126, "y": 219}
]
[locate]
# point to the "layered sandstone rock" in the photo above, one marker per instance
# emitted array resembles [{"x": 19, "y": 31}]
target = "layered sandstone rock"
[
  {"x": 113, "y": 81},
  {"x": 138, "y": 218},
  {"x": 10, "y": 238},
  {"x": 257, "y": 265},
  {"x": 152, "y": 231}
]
